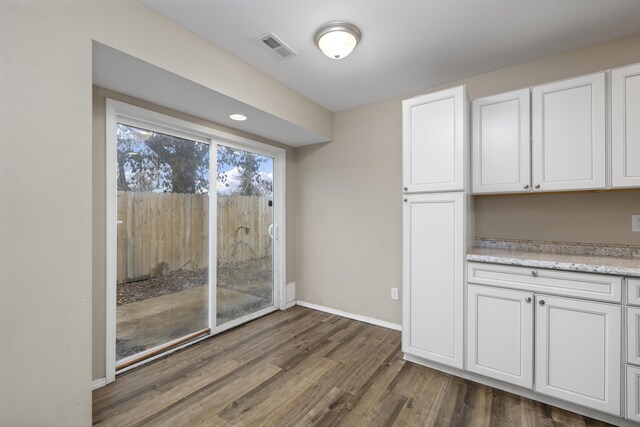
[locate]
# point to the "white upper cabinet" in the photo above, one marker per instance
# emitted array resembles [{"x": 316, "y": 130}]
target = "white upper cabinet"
[
  {"x": 434, "y": 141},
  {"x": 625, "y": 127},
  {"x": 569, "y": 134},
  {"x": 500, "y": 152}
]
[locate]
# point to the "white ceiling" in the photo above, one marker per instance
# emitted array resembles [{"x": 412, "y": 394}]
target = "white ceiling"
[
  {"x": 407, "y": 45},
  {"x": 117, "y": 71}
]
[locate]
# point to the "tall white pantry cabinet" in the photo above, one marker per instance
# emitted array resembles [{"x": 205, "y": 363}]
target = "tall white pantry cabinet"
[{"x": 437, "y": 225}]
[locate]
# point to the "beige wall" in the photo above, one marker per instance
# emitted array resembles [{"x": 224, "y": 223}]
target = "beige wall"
[
  {"x": 587, "y": 217},
  {"x": 46, "y": 181},
  {"x": 99, "y": 206},
  {"x": 348, "y": 208}
]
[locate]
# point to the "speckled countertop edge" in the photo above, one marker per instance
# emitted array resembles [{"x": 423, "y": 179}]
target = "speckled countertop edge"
[{"x": 616, "y": 260}]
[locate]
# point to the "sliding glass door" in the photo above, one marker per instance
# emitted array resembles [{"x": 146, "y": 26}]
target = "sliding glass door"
[
  {"x": 162, "y": 240},
  {"x": 184, "y": 259},
  {"x": 245, "y": 230}
]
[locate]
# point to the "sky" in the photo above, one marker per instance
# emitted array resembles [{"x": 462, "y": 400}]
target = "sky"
[{"x": 233, "y": 175}]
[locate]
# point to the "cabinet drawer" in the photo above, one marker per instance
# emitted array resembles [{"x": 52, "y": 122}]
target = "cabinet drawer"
[
  {"x": 582, "y": 285},
  {"x": 633, "y": 393},
  {"x": 633, "y": 291}
]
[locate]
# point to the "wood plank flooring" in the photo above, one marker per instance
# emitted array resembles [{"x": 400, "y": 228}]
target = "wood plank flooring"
[{"x": 304, "y": 367}]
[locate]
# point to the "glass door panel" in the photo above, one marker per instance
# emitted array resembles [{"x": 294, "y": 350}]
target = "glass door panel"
[
  {"x": 162, "y": 240},
  {"x": 245, "y": 282}
]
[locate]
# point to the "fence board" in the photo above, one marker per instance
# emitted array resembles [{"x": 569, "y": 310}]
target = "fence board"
[{"x": 168, "y": 231}]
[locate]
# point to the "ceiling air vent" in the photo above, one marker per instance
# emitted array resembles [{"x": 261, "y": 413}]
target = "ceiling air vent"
[{"x": 277, "y": 46}]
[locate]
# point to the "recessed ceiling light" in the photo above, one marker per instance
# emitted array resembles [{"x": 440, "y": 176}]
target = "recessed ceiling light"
[
  {"x": 337, "y": 39},
  {"x": 238, "y": 117}
]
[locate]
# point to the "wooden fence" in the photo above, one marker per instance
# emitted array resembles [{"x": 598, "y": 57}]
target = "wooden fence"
[{"x": 161, "y": 232}]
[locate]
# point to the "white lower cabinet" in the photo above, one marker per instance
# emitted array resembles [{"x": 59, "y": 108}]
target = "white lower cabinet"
[
  {"x": 500, "y": 334},
  {"x": 578, "y": 351},
  {"x": 433, "y": 277},
  {"x": 633, "y": 335},
  {"x": 572, "y": 345},
  {"x": 633, "y": 393}
]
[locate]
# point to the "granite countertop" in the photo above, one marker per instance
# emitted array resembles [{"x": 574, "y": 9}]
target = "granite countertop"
[{"x": 619, "y": 260}]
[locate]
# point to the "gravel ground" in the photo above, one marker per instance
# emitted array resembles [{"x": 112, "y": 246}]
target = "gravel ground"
[{"x": 252, "y": 277}]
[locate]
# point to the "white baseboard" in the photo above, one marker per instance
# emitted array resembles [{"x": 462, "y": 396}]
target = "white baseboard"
[
  {"x": 353, "y": 316},
  {"x": 289, "y": 305},
  {"x": 290, "y": 292},
  {"x": 96, "y": 384}
]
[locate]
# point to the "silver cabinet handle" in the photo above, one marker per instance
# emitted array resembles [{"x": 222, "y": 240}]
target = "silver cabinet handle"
[
  {"x": 541, "y": 302},
  {"x": 526, "y": 187},
  {"x": 528, "y": 299},
  {"x": 405, "y": 188},
  {"x": 534, "y": 273},
  {"x": 406, "y": 200},
  {"x": 537, "y": 185}
]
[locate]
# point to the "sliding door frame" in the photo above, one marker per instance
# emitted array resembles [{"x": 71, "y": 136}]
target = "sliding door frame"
[{"x": 119, "y": 112}]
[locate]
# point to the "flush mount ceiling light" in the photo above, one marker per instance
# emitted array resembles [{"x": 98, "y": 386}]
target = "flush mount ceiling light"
[
  {"x": 337, "y": 39},
  {"x": 238, "y": 117}
]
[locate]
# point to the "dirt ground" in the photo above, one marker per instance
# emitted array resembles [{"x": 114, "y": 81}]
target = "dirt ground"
[{"x": 245, "y": 276}]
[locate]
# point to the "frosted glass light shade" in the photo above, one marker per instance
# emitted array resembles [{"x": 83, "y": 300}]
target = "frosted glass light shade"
[
  {"x": 238, "y": 117},
  {"x": 337, "y": 39}
]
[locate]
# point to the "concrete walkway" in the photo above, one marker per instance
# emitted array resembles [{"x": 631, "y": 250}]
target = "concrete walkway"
[{"x": 145, "y": 324}]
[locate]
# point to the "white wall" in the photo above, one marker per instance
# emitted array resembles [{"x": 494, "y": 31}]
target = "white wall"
[{"x": 46, "y": 176}]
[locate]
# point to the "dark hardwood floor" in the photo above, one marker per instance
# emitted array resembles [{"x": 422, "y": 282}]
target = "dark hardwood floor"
[{"x": 305, "y": 367}]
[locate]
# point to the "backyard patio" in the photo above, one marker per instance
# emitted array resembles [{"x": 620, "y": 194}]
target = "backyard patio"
[
  {"x": 163, "y": 259},
  {"x": 175, "y": 304}
]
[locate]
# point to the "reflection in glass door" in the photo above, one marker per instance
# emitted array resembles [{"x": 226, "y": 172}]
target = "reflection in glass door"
[
  {"x": 245, "y": 231},
  {"x": 162, "y": 242}
]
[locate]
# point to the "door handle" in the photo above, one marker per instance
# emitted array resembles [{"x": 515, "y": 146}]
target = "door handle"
[
  {"x": 271, "y": 231},
  {"x": 541, "y": 302},
  {"x": 528, "y": 299}
]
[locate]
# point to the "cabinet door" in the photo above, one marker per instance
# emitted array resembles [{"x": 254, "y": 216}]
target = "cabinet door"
[
  {"x": 434, "y": 141},
  {"x": 578, "y": 351},
  {"x": 433, "y": 277},
  {"x": 500, "y": 334},
  {"x": 633, "y": 393},
  {"x": 625, "y": 127},
  {"x": 633, "y": 335},
  {"x": 569, "y": 134},
  {"x": 500, "y": 143}
]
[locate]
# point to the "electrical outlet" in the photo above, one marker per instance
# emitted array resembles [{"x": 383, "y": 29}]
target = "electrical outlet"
[
  {"x": 394, "y": 293},
  {"x": 635, "y": 222}
]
